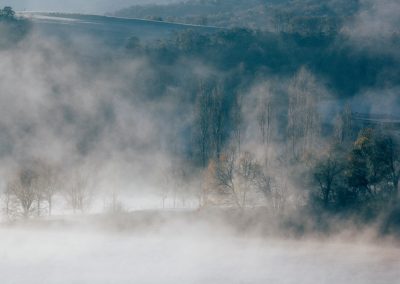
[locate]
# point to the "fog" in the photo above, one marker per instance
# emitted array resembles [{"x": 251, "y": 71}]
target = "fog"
[
  {"x": 84, "y": 116},
  {"x": 375, "y": 26},
  {"x": 119, "y": 164},
  {"x": 189, "y": 254}
]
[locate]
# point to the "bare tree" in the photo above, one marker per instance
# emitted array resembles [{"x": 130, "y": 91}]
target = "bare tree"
[
  {"x": 10, "y": 203},
  {"x": 279, "y": 194},
  {"x": 276, "y": 184},
  {"x": 165, "y": 187},
  {"x": 303, "y": 119},
  {"x": 180, "y": 179},
  {"x": 343, "y": 125},
  {"x": 264, "y": 121},
  {"x": 237, "y": 176},
  {"x": 237, "y": 119},
  {"x": 225, "y": 172},
  {"x": 209, "y": 122},
  {"x": 77, "y": 191},
  {"x": 203, "y": 112},
  {"x": 247, "y": 171},
  {"x": 174, "y": 184},
  {"x": 208, "y": 184},
  {"x": 217, "y": 121},
  {"x": 115, "y": 204},
  {"x": 33, "y": 182},
  {"x": 264, "y": 118},
  {"x": 49, "y": 182},
  {"x": 22, "y": 185}
]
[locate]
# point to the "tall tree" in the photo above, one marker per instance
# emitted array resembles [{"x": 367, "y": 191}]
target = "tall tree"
[
  {"x": 202, "y": 123},
  {"x": 209, "y": 122},
  {"x": 23, "y": 186},
  {"x": 343, "y": 126},
  {"x": 48, "y": 183},
  {"x": 303, "y": 118},
  {"x": 327, "y": 172},
  {"x": 77, "y": 191},
  {"x": 264, "y": 117},
  {"x": 238, "y": 121}
]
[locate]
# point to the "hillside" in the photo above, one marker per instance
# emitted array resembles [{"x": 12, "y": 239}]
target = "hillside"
[
  {"x": 112, "y": 30},
  {"x": 260, "y": 146},
  {"x": 74, "y": 6},
  {"x": 285, "y": 15}
]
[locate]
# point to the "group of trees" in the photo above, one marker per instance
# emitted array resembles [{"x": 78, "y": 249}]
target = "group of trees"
[
  {"x": 212, "y": 114},
  {"x": 280, "y": 127},
  {"x": 7, "y": 13},
  {"x": 243, "y": 150},
  {"x": 363, "y": 176},
  {"x": 241, "y": 181},
  {"x": 246, "y": 55},
  {"x": 258, "y": 157},
  {"x": 34, "y": 182},
  {"x": 293, "y": 16},
  {"x": 253, "y": 146},
  {"x": 12, "y": 28},
  {"x": 31, "y": 188}
]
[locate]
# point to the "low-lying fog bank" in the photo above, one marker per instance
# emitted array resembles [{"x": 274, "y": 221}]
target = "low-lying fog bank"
[{"x": 174, "y": 250}]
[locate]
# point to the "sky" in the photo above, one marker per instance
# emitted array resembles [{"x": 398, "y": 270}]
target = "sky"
[{"x": 79, "y": 6}]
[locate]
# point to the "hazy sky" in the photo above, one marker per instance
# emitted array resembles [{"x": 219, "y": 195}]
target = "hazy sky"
[{"x": 82, "y": 6}]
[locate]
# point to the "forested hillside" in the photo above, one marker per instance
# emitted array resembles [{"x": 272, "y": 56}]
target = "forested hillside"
[
  {"x": 287, "y": 15},
  {"x": 301, "y": 124},
  {"x": 207, "y": 141},
  {"x": 269, "y": 106}
]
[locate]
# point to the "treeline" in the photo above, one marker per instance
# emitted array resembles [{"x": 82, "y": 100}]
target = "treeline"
[
  {"x": 242, "y": 56},
  {"x": 12, "y": 28},
  {"x": 272, "y": 142},
  {"x": 32, "y": 186},
  {"x": 279, "y": 156},
  {"x": 360, "y": 176},
  {"x": 253, "y": 134},
  {"x": 306, "y": 17},
  {"x": 259, "y": 130}
]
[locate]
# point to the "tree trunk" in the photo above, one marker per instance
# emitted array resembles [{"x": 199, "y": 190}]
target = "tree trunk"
[
  {"x": 38, "y": 207},
  {"x": 50, "y": 201},
  {"x": 396, "y": 188}
]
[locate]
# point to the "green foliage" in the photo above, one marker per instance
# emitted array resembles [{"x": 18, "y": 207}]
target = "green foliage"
[
  {"x": 250, "y": 54},
  {"x": 328, "y": 172},
  {"x": 310, "y": 16},
  {"x": 362, "y": 181},
  {"x": 7, "y": 13},
  {"x": 12, "y": 29}
]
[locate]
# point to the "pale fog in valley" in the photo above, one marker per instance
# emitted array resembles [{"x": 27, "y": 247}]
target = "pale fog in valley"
[{"x": 200, "y": 141}]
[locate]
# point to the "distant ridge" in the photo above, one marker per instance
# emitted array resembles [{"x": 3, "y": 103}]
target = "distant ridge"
[
  {"x": 37, "y": 15},
  {"x": 111, "y": 30}
]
